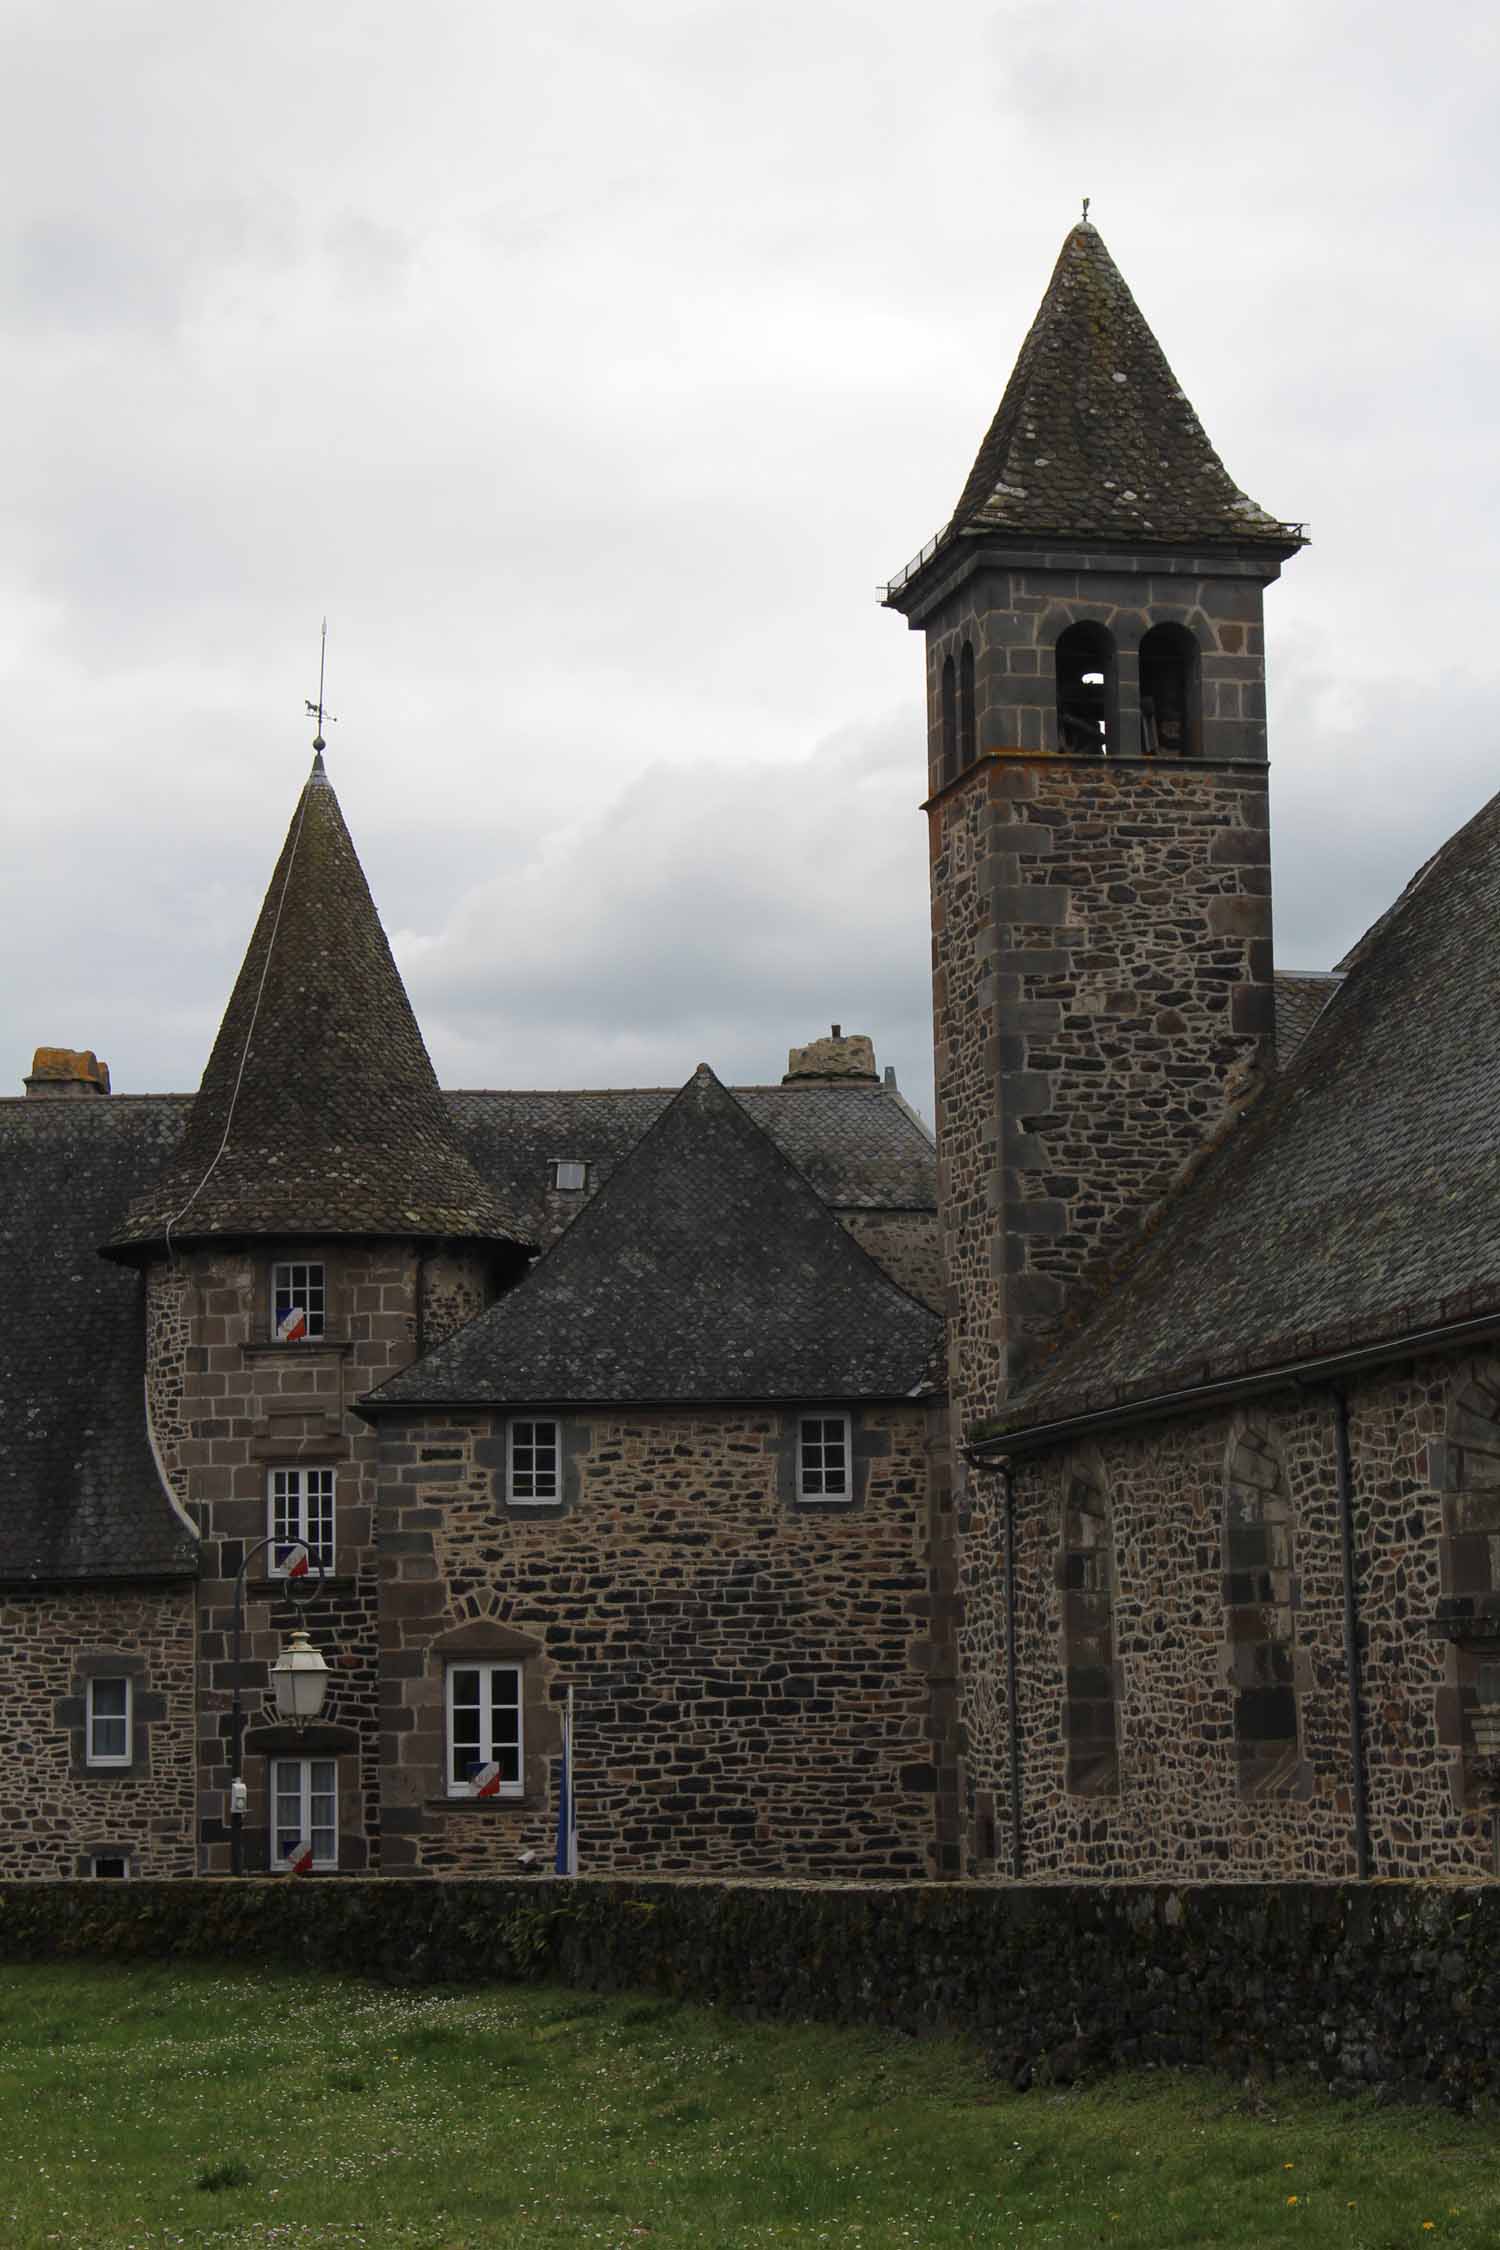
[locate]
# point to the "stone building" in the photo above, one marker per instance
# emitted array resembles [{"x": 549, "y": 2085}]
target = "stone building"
[
  {"x": 1120, "y": 1497},
  {"x": 687, "y": 1466},
  {"x": 1222, "y": 1249}
]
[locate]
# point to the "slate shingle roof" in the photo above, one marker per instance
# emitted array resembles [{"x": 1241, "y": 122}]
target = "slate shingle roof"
[
  {"x": 1359, "y": 1201},
  {"x": 80, "y": 1496},
  {"x": 335, "y": 1122},
  {"x": 1301, "y": 997},
  {"x": 858, "y": 1145},
  {"x": 707, "y": 1269},
  {"x": 1094, "y": 436}
]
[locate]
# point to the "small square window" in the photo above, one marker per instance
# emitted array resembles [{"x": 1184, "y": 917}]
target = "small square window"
[
  {"x": 304, "y": 1813},
  {"x": 109, "y": 1722},
  {"x": 570, "y": 1175},
  {"x": 110, "y": 1867},
  {"x": 823, "y": 1457},
  {"x": 299, "y": 1303},
  {"x": 300, "y": 1514},
  {"x": 484, "y": 1730},
  {"x": 534, "y": 1464}
]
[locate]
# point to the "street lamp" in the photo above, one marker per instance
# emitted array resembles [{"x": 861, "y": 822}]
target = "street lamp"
[{"x": 299, "y": 1674}]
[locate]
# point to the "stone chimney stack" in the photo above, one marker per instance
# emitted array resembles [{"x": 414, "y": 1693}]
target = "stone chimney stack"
[
  {"x": 65, "y": 1074},
  {"x": 836, "y": 1058}
]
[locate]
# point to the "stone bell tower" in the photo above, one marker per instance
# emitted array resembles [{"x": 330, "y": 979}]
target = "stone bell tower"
[{"x": 1101, "y": 887}]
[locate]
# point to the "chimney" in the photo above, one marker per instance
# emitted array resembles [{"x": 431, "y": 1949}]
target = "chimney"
[
  {"x": 838, "y": 1059},
  {"x": 64, "y": 1074}
]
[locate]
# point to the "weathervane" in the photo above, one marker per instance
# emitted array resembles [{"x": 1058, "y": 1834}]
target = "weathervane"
[{"x": 316, "y": 710}]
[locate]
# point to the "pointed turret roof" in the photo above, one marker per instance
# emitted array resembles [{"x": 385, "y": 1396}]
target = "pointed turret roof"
[
  {"x": 319, "y": 1112},
  {"x": 1095, "y": 437},
  {"x": 705, "y": 1270}
]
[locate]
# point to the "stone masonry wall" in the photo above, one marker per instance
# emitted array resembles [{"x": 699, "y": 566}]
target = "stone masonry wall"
[
  {"x": 454, "y": 1290},
  {"x": 906, "y": 1245},
  {"x": 1181, "y": 1810},
  {"x": 1012, "y": 618},
  {"x": 758, "y": 1683},
  {"x": 54, "y": 1812},
  {"x": 248, "y": 1405},
  {"x": 1102, "y": 975}
]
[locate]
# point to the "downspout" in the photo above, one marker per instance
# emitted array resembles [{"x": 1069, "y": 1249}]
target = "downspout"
[
  {"x": 1012, "y": 1695},
  {"x": 1344, "y": 1483}
]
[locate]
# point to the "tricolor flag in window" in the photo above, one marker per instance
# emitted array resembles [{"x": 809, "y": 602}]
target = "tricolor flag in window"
[
  {"x": 299, "y": 1859},
  {"x": 295, "y": 1560},
  {"x": 291, "y": 1327},
  {"x": 485, "y": 1781}
]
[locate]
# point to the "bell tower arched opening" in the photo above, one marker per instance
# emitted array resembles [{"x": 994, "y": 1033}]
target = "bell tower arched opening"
[
  {"x": 1086, "y": 698},
  {"x": 1168, "y": 663}
]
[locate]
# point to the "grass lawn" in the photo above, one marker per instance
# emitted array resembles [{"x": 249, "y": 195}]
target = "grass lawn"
[{"x": 166, "y": 2105}]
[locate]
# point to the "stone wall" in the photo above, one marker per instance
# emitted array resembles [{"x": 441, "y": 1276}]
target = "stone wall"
[
  {"x": 1102, "y": 981},
  {"x": 54, "y": 1811},
  {"x": 241, "y": 1405},
  {"x": 906, "y": 1245},
  {"x": 1198, "y": 1796},
  {"x": 759, "y": 1684},
  {"x": 1012, "y": 619},
  {"x": 1393, "y": 1988}
]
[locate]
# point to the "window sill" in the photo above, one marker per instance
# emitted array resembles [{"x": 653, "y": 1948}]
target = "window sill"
[
  {"x": 275, "y": 1589},
  {"x": 266, "y": 1347},
  {"x": 489, "y": 1805}
]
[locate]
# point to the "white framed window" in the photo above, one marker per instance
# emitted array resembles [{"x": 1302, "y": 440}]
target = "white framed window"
[
  {"x": 570, "y": 1175},
  {"x": 108, "y": 1722},
  {"x": 304, "y": 1810},
  {"x": 533, "y": 1464},
  {"x": 484, "y": 1730},
  {"x": 300, "y": 1513},
  {"x": 299, "y": 1302},
  {"x": 824, "y": 1469},
  {"x": 110, "y": 1867}
]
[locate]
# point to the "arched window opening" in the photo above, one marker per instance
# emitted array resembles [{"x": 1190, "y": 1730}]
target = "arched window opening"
[
  {"x": 1169, "y": 693},
  {"x": 1088, "y": 1605},
  {"x": 1258, "y": 1593},
  {"x": 949, "y": 766},
  {"x": 966, "y": 706},
  {"x": 1465, "y": 1467},
  {"x": 1086, "y": 690}
]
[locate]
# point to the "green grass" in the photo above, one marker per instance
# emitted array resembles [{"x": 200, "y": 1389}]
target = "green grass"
[{"x": 163, "y": 2106}]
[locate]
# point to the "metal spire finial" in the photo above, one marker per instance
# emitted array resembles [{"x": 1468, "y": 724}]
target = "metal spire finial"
[
  {"x": 1088, "y": 199},
  {"x": 316, "y": 710}
]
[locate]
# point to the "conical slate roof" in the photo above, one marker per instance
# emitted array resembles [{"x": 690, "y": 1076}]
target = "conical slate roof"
[
  {"x": 706, "y": 1269},
  {"x": 319, "y": 1112},
  {"x": 1095, "y": 437}
]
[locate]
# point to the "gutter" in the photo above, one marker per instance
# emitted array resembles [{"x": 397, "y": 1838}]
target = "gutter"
[{"x": 1020, "y": 1445}]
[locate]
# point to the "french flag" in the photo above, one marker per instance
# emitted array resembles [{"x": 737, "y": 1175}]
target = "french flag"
[
  {"x": 296, "y": 1562},
  {"x": 292, "y": 1326},
  {"x": 299, "y": 1859},
  {"x": 567, "y": 1802},
  {"x": 485, "y": 1782}
]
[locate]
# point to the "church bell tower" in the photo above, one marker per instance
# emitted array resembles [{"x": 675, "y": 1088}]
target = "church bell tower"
[{"x": 1101, "y": 887}]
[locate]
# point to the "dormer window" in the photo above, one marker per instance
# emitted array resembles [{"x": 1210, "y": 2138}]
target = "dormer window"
[
  {"x": 299, "y": 1303},
  {"x": 1086, "y": 690},
  {"x": 570, "y": 1175}
]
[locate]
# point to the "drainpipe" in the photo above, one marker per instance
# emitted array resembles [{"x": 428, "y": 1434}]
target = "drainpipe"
[
  {"x": 1351, "y": 1632},
  {"x": 1012, "y": 1697}
]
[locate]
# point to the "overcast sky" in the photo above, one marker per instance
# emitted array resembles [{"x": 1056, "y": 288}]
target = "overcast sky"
[{"x": 590, "y": 366}]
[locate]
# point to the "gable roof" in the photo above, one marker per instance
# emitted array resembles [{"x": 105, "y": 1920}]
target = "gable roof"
[
  {"x": 1359, "y": 1201},
  {"x": 707, "y": 1269},
  {"x": 80, "y": 1496},
  {"x": 1095, "y": 436},
  {"x": 860, "y": 1146},
  {"x": 319, "y": 1112}
]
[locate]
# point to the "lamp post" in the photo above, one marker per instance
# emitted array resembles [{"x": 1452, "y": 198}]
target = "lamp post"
[{"x": 299, "y": 1674}]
